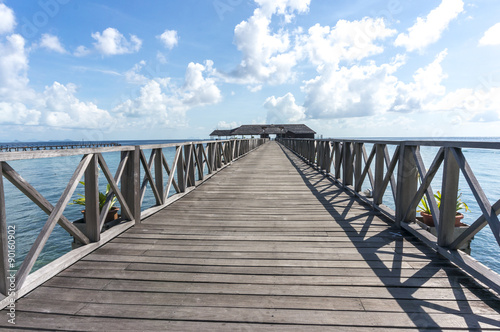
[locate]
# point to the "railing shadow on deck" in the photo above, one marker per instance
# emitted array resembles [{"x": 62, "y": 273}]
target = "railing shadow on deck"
[
  {"x": 193, "y": 163},
  {"x": 403, "y": 291},
  {"x": 347, "y": 162}
]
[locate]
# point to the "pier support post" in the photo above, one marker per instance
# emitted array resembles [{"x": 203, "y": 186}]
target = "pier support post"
[
  {"x": 406, "y": 185},
  {"x": 92, "y": 219},
  {"x": 4, "y": 263},
  {"x": 449, "y": 192},
  {"x": 131, "y": 187}
]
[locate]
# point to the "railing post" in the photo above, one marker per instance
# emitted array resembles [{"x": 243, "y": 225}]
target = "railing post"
[
  {"x": 210, "y": 157},
  {"x": 406, "y": 185},
  {"x": 201, "y": 166},
  {"x": 159, "y": 173},
  {"x": 328, "y": 161},
  {"x": 347, "y": 165},
  {"x": 379, "y": 174},
  {"x": 189, "y": 156},
  {"x": 180, "y": 171},
  {"x": 4, "y": 263},
  {"x": 449, "y": 192},
  {"x": 358, "y": 166},
  {"x": 92, "y": 220},
  {"x": 131, "y": 184},
  {"x": 338, "y": 159}
]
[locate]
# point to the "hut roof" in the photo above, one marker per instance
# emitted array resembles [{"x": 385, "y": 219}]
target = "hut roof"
[
  {"x": 219, "y": 132},
  {"x": 270, "y": 129}
]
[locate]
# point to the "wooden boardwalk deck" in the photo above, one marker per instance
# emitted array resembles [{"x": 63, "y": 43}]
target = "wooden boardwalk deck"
[{"x": 267, "y": 244}]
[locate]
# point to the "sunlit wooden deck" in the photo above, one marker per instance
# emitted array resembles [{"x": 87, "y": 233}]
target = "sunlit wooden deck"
[{"x": 269, "y": 243}]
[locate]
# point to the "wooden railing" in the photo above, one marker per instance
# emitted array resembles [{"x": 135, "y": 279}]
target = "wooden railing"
[
  {"x": 348, "y": 162},
  {"x": 193, "y": 163}
]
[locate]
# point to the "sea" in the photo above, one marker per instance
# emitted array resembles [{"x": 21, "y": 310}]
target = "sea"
[{"x": 50, "y": 176}]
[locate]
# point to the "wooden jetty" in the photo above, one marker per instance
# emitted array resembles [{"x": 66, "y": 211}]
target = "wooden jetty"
[
  {"x": 270, "y": 242},
  {"x": 58, "y": 146}
]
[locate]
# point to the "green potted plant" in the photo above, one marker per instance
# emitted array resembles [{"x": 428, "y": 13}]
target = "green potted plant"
[
  {"x": 112, "y": 212},
  {"x": 426, "y": 213}
]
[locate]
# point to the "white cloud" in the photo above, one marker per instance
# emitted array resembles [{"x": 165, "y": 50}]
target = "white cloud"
[
  {"x": 425, "y": 89},
  {"x": 348, "y": 40},
  {"x": 63, "y": 109},
  {"x": 428, "y": 30},
  {"x": 227, "y": 125},
  {"x": 18, "y": 113},
  {"x": 13, "y": 69},
  {"x": 112, "y": 42},
  {"x": 351, "y": 92},
  {"x": 283, "y": 7},
  {"x": 162, "y": 103},
  {"x": 133, "y": 75},
  {"x": 267, "y": 56},
  {"x": 7, "y": 19},
  {"x": 52, "y": 43},
  {"x": 81, "y": 51},
  {"x": 169, "y": 38},
  {"x": 491, "y": 36},
  {"x": 284, "y": 109}
]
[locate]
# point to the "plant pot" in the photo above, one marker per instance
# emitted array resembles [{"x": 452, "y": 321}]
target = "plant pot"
[
  {"x": 112, "y": 214},
  {"x": 429, "y": 220}
]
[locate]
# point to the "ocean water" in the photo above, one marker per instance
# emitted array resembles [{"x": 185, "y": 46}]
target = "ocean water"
[{"x": 50, "y": 176}]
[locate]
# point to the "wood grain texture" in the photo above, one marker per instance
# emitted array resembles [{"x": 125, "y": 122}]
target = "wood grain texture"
[{"x": 268, "y": 243}]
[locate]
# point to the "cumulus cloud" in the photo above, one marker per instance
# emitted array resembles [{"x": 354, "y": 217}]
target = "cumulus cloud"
[
  {"x": 425, "y": 89},
  {"x": 19, "y": 114},
  {"x": 13, "y": 69},
  {"x": 428, "y": 30},
  {"x": 51, "y": 43},
  {"x": 112, "y": 42},
  {"x": 163, "y": 103},
  {"x": 63, "y": 109},
  {"x": 133, "y": 75},
  {"x": 359, "y": 90},
  {"x": 7, "y": 19},
  {"x": 169, "y": 38},
  {"x": 348, "y": 40},
  {"x": 284, "y": 109},
  {"x": 81, "y": 51},
  {"x": 227, "y": 125},
  {"x": 267, "y": 56},
  {"x": 491, "y": 36}
]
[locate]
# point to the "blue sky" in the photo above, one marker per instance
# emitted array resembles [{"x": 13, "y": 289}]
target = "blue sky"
[{"x": 103, "y": 70}]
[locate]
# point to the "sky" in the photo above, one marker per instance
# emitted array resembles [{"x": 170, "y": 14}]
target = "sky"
[{"x": 151, "y": 69}]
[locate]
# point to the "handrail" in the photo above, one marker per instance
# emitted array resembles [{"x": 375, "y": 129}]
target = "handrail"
[
  {"x": 193, "y": 163},
  {"x": 347, "y": 162}
]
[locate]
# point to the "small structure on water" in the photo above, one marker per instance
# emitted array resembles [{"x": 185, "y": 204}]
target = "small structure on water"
[{"x": 280, "y": 130}]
